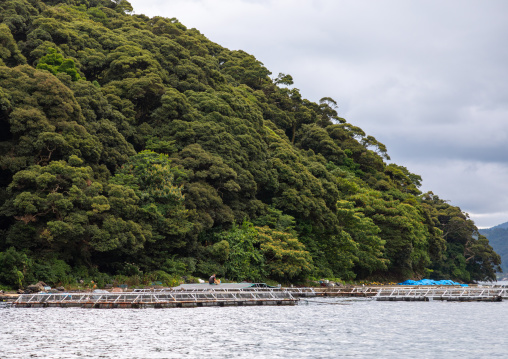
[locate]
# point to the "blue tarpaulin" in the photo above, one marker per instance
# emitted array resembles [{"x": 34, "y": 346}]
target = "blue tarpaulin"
[{"x": 431, "y": 282}]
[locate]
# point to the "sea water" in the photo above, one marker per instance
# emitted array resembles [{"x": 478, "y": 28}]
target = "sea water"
[{"x": 316, "y": 328}]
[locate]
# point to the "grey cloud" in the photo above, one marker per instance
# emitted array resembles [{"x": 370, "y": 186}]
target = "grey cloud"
[{"x": 476, "y": 187}]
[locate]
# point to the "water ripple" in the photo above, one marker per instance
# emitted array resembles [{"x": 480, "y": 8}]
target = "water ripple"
[{"x": 362, "y": 329}]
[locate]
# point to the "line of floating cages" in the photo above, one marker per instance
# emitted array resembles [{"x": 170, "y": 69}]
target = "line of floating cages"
[
  {"x": 367, "y": 291},
  {"x": 293, "y": 291},
  {"x": 152, "y": 300},
  {"x": 443, "y": 293},
  {"x": 350, "y": 291},
  {"x": 176, "y": 297}
]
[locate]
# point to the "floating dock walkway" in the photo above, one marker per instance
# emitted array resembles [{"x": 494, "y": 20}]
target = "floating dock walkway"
[
  {"x": 420, "y": 293},
  {"x": 457, "y": 294},
  {"x": 166, "y": 299},
  {"x": 240, "y": 294}
]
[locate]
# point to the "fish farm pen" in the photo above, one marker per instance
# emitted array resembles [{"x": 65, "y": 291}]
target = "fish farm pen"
[
  {"x": 235, "y": 294},
  {"x": 165, "y": 299},
  {"x": 460, "y": 294},
  {"x": 420, "y": 293}
]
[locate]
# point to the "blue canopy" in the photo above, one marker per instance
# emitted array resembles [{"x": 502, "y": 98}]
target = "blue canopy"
[{"x": 431, "y": 282}]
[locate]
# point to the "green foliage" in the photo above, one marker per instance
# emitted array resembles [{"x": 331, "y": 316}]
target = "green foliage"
[
  {"x": 18, "y": 270},
  {"x": 52, "y": 271},
  {"x": 256, "y": 253},
  {"x": 245, "y": 260},
  {"x": 161, "y": 277},
  {"x": 362, "y": 230},
  {"x": 123, "y": 6},
  {"x": 55, "y": 63},
  {"x": 9, "y": 51},
  {"x": 13, "y": 267},
  {"x": 285, "y": 257},
  {"x": 402, "y": 228}
]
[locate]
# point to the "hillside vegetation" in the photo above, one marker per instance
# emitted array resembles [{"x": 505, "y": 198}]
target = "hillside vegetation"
[{"x": 133, "y": 146}]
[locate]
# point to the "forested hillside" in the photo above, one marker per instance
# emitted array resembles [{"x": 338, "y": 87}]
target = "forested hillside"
[{"x": 133, "y": 146}]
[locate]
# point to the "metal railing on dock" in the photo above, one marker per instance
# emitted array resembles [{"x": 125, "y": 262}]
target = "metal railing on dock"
[
  {"x": 347, "y": 291},
  {"x": 214, "y": 296},
  {"x": 295, "y": 292},
  {"x": 442, "y": 293}
]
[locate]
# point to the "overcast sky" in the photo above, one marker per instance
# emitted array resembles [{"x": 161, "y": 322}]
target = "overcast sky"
[{"x": 428, "y": 78}]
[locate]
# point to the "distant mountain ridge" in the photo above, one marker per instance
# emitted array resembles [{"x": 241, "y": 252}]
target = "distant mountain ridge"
[
  {"x": 498, "y": 239},
  {"x": 502, "y": 225}
]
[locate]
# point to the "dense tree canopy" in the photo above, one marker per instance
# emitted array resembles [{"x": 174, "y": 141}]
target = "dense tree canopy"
[{"x": 133, "y": 145}]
